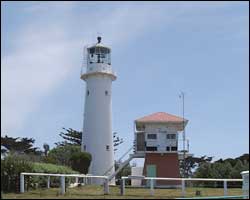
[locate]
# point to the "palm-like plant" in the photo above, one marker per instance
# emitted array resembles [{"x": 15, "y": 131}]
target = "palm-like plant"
[{"x": 46, "y": 148}]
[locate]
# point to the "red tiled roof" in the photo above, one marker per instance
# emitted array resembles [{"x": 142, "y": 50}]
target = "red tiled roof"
[{"x": 160, "y": 117}]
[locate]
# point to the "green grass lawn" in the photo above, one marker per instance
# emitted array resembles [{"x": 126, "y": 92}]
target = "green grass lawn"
[{"x": 96, "y": 192}]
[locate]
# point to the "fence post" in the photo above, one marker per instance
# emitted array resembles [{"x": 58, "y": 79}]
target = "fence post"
[
  {"x": 76, "y": 180},
  {"x": 106, "y": 186},
  {"x": 151, "y": 186},
  {"x": 183, "y": 188},
  {"x": 21, "y": 183},
  {"x": 122, "y": 186},
  {"x": 225, "y": 188},
  {"x": 62, "y": 185},
  {"x": 245, "y": 184},
  {"x": 48, "y": 182}
]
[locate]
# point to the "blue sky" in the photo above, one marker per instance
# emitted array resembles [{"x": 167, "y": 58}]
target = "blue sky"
[{"x": 158, "y": 50}]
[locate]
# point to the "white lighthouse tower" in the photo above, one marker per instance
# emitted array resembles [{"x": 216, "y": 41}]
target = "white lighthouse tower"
[{"x": 97, "y": 137}]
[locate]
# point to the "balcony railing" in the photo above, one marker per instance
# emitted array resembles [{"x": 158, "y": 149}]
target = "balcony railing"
[{"x": 98, "y": 68}]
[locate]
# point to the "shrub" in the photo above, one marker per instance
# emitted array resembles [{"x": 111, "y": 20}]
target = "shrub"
[
  {"x": 49, "y": 168},
  {"x": 124, "y": 172},
  {"x": 61, "y": 155},
  {"x": 80, "y": 161},
  {"x": 13, "y": 165}
]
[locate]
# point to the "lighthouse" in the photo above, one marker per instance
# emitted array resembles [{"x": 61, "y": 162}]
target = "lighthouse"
[{"x": 97, "y": 137}]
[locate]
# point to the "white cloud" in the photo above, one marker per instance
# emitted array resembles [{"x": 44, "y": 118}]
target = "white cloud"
[{"x": 27, "y": 76}]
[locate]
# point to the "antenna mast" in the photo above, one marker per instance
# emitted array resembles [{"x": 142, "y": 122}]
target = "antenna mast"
[{"x": 184, "y": 134}]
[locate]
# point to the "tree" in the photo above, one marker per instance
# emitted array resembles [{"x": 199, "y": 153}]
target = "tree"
[
  {"x": 221, "y": 170},
  {"x": 46, "y": 149},
  {"x": 204, "y": 171},
  {"x": 228, "y": 168},
  {"x": 71, "y": 137},
  {"x": 8, "y": 142},
  {"x": 20, "y": 145},
  {"x": 239, "y": 167},
  {"x": 61, "y": 154},
  {"x": 80, "y": 161},
  {"x": 191, "y": 163},
  {"x": 244, "y": 158}
]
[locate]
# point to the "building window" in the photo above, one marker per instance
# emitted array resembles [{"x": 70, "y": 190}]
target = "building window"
[
  {"x": 87, "y": 92},
  {"x": 171, "y": 136},
  {"x": 106, "y": 93},
  {"x": 167, "y": 148},
  {"x": 84, "y": 148},
  {"x": 152, "y": 136},
  {"x": 151, "y": 149},
  {"x": 173, "y": 148},
  {"x": 107, "y": 147}
]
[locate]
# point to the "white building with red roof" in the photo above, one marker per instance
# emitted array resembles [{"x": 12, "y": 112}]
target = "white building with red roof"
[{"x": 156, "y": 138}]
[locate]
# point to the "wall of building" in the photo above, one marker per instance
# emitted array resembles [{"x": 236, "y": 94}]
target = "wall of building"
[
  {"x": 167, "y": 165},
  {"x": 161, "y": 131},
  {"x": 136, "y": 171}
]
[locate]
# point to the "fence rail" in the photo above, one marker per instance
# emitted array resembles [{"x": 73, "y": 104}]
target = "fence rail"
[
  {"x": 122, "y": 186},
  {"x": 183, "y": 184},
  {"x": 62, "y": 180}
]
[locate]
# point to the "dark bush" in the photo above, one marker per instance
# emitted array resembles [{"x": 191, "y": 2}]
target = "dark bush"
[
  {"x": 80, "y": 161},
  {"x": 61, "y": 155}
]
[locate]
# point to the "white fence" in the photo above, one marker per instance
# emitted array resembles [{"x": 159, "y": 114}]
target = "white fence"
[
  {"x": 62, "y": 180},
  {"x": 122, "y": 188},
  {"x": 183, "y": 181}
]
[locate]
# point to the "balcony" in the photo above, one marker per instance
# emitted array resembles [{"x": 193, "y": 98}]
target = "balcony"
[{"x": 97, "y": 69}]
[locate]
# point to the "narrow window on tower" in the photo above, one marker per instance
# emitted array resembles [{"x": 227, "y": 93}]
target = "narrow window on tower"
[
  {"x": 106, "y": 92},
  {"x": 84, "y": 147},
  {"x": 87, "y": 92},
  {"x": 107, "y": 147}
]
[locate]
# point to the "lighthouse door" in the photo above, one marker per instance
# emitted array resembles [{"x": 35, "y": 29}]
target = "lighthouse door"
[{"x": 151, "y": 172}]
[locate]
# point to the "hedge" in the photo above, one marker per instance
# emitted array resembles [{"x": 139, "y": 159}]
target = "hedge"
[
  {"x": 51, "y": 168},
  {"x": 80, "y": 161},
  {"x": 41, "y": 181},
  {"x": 13, "y": 165}
]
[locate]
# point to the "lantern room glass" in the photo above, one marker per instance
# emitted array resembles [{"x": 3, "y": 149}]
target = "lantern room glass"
[{"x": 99, "y": 55}]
